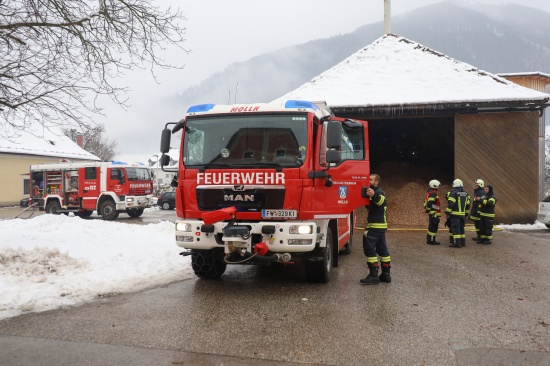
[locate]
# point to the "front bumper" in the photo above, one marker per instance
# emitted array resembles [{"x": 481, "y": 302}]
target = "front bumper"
[
  {"x": 135, "y": 202},
  {"x": 281, "y": 240}
]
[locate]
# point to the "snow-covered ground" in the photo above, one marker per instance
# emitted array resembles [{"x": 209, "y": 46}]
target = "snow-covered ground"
[{"x": 47, "y": 262}]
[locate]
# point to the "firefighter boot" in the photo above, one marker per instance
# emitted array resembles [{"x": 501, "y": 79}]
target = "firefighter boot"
[
  {"x": 372, "y": 277},
  {"x": 433, "y": 241},
  {"x": 455, "y": 243},
  {"x": 385, "y": 275},
  {"x": 427, "y": 238}
]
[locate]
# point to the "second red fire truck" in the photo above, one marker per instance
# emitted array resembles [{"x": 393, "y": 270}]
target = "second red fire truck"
[
  {"x": 108, "y": 188},
  {"x": 270, "y": 183}
]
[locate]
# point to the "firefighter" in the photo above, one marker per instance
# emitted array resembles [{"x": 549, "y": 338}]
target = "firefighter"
[
  {"x": 448, "y": 220},
  {"x": 374, "y": 237},
  {"x": 458, "y": 205},
  {"x": 474, "y": 212},
  {"x": 432, "y": 206},
  {"x": 487, "y": 213}
]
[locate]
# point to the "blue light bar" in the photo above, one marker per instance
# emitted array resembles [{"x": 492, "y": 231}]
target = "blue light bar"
[
  {"x": 300, "y": 104},
  {"x": 118, "y": 162},
  {"x": 200, "y": 108}
]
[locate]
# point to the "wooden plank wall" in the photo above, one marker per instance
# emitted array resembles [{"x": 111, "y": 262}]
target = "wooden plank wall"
[{"x": 502, "y": 149}]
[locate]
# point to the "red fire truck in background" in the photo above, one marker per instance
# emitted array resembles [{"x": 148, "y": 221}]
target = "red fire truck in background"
[
  {"x": 106, "y": 187},
  {"x": 268, "y": 183}
]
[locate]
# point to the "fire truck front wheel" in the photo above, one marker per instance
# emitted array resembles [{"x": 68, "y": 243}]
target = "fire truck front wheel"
[
  {"x": 53, "y": 207},
  {"x": 208, "y": 264},
  {"x": 107, "y": 210},
  {"x": 134, "y": 212},
  {"x": 319, "y": 267}
]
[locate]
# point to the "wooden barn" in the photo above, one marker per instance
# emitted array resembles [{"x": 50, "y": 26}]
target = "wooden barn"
[{"x": 434, "y": 117}]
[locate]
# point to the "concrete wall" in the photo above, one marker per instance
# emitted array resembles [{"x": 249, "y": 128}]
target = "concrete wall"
[{"x": 503, "y": 150}]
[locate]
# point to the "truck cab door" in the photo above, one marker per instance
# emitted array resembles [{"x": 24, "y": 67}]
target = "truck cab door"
[
  {"x": 88, "y": 183},
  {"x": 115, "y": 180},
  {"x": 339, "y": 193}
]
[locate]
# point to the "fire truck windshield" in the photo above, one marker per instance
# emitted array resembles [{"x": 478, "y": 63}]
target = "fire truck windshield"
[
  {"x": 138, "y": 174},
  {"x": 237, "y": 140}
]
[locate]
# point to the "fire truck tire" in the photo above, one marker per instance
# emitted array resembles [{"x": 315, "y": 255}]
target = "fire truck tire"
[
  {"x": 53, "y": 207},
  {"x": 83, "y": 214},
  {"x": 107, "y": 210},
  {"x": 208, "y": 264},
  {"x": 319, "y": 270},
  {"x": 134, "y": 212}
]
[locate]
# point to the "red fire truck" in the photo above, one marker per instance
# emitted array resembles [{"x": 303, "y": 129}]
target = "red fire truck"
[
  {"x": 106, "y": 187},
  {"x": 268, "y": 183}
]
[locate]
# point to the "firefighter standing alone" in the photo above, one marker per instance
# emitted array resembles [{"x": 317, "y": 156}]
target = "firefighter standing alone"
[
  {"x": 374, "y": 237},
  {"x": 432, "y": 206}
]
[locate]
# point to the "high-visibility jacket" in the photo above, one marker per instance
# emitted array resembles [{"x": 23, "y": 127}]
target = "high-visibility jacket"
[
  {"x": 458, "y": 202},
  {"x": 474, "y": 214},
  {"x": 376, "y": 219},
  {"x": 487, "y": 206},
  {"x": 432, "y": 204}
]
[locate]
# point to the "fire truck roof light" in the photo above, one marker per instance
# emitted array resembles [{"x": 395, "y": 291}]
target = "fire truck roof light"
[
  {"x": 200, "y": 108},
  {"x": 300, "y": 104},
  {"x": 118, "y": 163}
]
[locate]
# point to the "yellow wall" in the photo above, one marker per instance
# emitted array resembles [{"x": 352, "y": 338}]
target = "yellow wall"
[{"x": 14, "y": 169}]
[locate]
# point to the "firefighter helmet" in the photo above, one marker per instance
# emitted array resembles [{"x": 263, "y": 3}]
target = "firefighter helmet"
[
  {"x": 434, "y": 183},
  {"x": 457, "y": 183},
  {"x": 480, "y": 183}
]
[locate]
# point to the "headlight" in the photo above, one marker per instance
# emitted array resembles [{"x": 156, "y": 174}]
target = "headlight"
[
  {"x": 300, "y": 229},
  {"x": 184, "y": 238},
  {"x": 183, "y": 226},
  {"x": 130, "y": 199}
]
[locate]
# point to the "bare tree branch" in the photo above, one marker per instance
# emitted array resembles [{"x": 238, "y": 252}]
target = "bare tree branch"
[{"x": 58, "y": 56}]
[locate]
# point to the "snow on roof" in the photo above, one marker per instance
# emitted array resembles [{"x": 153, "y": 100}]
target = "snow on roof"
[
  {"x": 150, "y": 161},
  {"x": 43, "y": 142},
  {"x": 396, "y": 71}
]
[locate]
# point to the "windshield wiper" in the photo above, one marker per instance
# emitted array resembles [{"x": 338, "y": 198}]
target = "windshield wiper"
[
  {"x": 278, "y": 167},
  {"x": 214, "y": 166}
]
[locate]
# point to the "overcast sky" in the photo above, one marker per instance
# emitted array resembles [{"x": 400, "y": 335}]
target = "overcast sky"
[{"x": 221, "y": 32}]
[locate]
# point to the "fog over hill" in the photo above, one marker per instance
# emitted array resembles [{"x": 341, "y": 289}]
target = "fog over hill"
[{"x": 498, "y": 39}]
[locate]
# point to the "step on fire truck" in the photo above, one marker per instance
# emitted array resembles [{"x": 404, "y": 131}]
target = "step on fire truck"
[
  {"x": 108, "y": 188},
  {"x": 273, "y": 183}
]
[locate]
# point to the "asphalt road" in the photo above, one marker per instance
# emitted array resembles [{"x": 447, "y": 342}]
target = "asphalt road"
[{"x": 477, "y": 305}]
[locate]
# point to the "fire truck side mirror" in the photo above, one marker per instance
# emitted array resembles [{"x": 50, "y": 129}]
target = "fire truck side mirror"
[
  {"x": 334, "y": 135},
  {"x": 165, "y": 141},
  {"x": 333, "y": 156},
  {"x": 164, "y": 160}
]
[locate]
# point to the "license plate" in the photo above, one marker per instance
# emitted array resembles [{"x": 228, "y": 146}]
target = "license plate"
[{"x": 279, "y": 214}]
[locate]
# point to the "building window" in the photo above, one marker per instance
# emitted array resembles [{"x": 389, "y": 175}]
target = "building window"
[{"x": 26, "y": 186}]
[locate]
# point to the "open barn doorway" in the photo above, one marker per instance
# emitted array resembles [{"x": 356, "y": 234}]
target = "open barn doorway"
[{"x": 407, "y": 153}]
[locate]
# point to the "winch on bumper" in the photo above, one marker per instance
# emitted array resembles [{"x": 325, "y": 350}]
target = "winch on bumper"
[{"x": 274, "y": 241}]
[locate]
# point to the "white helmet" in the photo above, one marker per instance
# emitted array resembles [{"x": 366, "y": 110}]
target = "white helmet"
[
  {"x": 434, "y": 183},
  {"x": 480, "y": 183},
  {"x": 457, "y": 183}
]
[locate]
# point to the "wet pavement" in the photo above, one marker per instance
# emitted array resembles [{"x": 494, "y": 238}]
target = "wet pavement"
[{"x": 477, "y": 305}]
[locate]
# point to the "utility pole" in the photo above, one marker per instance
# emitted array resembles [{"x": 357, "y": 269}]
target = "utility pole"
[{"x": 387, "y": 16}]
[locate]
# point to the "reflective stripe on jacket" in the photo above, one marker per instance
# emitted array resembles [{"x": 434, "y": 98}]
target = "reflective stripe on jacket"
[
  {"x": 458, "y": 202},
  {"x": 376, "y": 218}
]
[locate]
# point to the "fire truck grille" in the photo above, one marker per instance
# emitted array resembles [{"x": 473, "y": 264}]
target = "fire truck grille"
[
  {"x": 247, "y": 200},
  {"x": 139, "y": 191}
]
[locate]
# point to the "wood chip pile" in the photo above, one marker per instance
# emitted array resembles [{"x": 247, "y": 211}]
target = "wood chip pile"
[{"x": 405, "y": 189}]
